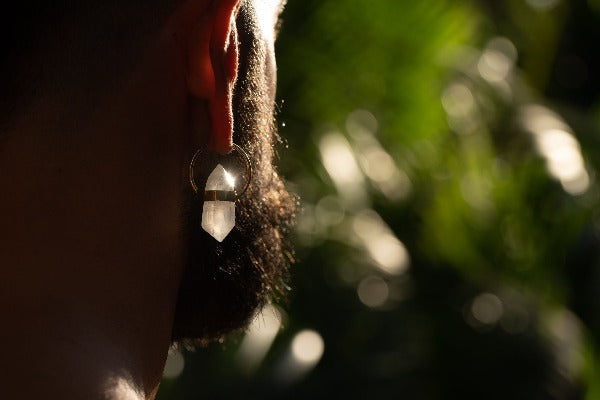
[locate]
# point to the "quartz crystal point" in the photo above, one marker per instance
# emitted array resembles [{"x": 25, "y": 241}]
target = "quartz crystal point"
[{"x": 218, "y": 217}]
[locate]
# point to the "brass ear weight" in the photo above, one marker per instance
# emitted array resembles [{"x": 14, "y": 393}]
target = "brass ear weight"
[{"x": 220, "y": 194}]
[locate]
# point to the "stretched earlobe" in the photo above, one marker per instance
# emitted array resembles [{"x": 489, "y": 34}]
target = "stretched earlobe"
[
  {"x": 212, "y": 70},
  {"x": 225, "y": 72}
]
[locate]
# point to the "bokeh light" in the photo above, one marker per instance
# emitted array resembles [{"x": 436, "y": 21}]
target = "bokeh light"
[
  {"x": 339, "y": 161},
  {"x": 174, "y": 365},
  {"x": 497, "y": 60},
  {"x": 258, "y": 338},
  {"x": 555, "y": 142},
  {"x": 487, "y": 308},
  {"x": 373, "y": 291},
  {"x": 389, "y": 254},
  {"x": 308, "y": 347},
  {"x": 542, "y": 5}
]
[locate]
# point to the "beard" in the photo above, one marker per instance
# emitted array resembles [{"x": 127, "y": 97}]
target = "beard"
[{"x": 225, "y": 284}]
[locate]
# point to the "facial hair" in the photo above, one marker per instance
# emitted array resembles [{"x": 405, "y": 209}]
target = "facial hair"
[{"x": 224, "y": 284}]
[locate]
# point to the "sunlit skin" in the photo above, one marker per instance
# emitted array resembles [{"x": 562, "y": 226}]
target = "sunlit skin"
[{"x": 91, "y": 240}]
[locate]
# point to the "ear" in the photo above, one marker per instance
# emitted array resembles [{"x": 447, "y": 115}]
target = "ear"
[{"x": 212, "y": 69}]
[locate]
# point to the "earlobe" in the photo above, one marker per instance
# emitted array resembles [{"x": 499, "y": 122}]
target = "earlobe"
[{"x": 212, "y": 69}]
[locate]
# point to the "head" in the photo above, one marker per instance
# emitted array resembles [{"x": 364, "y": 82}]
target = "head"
[{"x": 104, "y": 104}]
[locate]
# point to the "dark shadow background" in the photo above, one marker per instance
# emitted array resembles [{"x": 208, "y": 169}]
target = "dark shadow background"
[{"x": 446, "y": 153}]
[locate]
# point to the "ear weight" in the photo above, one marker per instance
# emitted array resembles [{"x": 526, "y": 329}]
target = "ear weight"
[{"x": 218, "y": 211}]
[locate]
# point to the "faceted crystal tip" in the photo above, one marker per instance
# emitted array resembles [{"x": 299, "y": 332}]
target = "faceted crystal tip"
[{"x": 220, "y": 179}]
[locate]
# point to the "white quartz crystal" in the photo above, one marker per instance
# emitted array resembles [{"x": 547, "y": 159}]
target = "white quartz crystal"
[
  {"x": 218, "y": 217},
  {"x": 219, "y": 179}
]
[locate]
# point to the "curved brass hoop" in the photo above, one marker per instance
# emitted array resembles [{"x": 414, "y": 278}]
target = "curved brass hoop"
[{"x": 247, "y": 163}]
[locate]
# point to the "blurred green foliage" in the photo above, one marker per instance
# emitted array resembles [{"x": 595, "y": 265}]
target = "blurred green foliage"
[{"x": 448, "y": 246}]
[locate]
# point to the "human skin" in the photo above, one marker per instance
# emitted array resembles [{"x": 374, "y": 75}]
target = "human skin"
[{"x": 91, "y": 241}]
